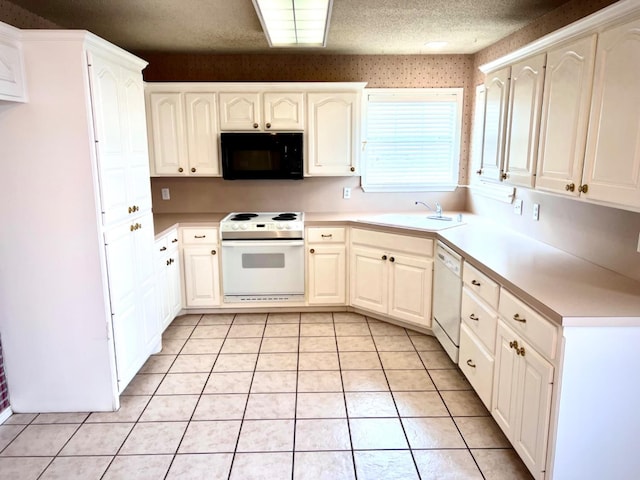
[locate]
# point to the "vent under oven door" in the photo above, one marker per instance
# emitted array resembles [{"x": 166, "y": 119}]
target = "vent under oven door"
[{"x": 262, "y": 267}]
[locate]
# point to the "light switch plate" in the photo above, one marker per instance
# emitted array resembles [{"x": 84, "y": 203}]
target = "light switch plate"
[
  {"x": 536, "y": 211},
  {"x": 165, "y": 194},
  {"x": 517, "y": 207},
  {"x": 346, "y": 192}
]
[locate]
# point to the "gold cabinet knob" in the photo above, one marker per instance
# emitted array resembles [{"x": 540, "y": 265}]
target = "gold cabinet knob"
[
  {"x": 193, "y": 170},
  {"x": 504, "y": 176},
  {"x": 268, "y": 125},
  {"x": 181, "y": 169},
  {"x": 353, "y": 169},
  {"x": 384, "y": 257},
  {"x": 513, "y": 344},
  {"x": 255, "y": 125},
  {"x": 213, "y": 252},
  {"x": 131, "y": 210},
  {"x": 392, "y": 259},
  {"x": 570, "y": 187},
  {"x": 313, "y": 250},
  {"x": 471, "y": 364},
  {"x": 132, "y": 227},
  {"x": 583, "y": 188}
]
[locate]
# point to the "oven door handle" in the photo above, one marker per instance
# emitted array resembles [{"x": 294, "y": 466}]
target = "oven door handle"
[{"x": 262, "y": 243}]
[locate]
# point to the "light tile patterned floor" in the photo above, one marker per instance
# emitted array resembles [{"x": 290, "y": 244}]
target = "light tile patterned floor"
[{"x": 279, "y": 396}]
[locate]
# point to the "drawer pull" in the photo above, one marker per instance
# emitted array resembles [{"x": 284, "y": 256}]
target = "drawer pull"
[
  {"x": 475, "y": 282},
  {"x": 213, "y": 252},
  {"x": 517, "y": 318},
  {"x": 199, "y": 236},
  {"x": 473, "y": 317},
  {"x": 313, "y": 250},
  {"x": 174, "y": 240},
  {"x": 513, "y": 344},
  {"x": 163, "y": 249},
  {"x": 384, "y": 257},
  {"x": 471, "y": 364},
  {"x": 327, "y": 236}
]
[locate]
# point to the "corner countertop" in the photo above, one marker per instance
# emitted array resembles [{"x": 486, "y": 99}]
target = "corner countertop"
[{"x": 568, "y": 290}]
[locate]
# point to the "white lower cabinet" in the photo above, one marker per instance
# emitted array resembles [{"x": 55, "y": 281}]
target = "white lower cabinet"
[
  {"x": 201, "y": 267},
  {"x": 168, "y": 276},
  {"x": 476, "y": 362},
  {"x": 392, "y": 275},
  {"x": 522, "y": 397},
  {"x": 326, "y": 266}
]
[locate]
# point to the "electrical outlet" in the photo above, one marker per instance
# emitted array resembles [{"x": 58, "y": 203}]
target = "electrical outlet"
[
  {"x": 536, "y": 211},
  {"x": 517, "y": 207},
  {"x": 165, "y": 194},
  {"x": 346, "y": 192}
]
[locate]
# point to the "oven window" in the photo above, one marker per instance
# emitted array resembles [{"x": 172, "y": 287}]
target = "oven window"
[{"x": 263, "y": 260}]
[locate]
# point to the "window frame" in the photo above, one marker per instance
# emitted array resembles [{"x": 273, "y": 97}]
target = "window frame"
[{"x": 420, "y": 94}]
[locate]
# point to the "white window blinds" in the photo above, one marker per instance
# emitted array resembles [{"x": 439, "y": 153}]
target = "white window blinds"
[{"x": 412, "y": 139}]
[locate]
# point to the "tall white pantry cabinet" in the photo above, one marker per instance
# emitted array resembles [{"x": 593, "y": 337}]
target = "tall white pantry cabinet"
[{"x": 78, "y": 309}]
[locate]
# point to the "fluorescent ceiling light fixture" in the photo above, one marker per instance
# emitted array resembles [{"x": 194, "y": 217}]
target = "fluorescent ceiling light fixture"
[
  {"x": 436, "y": 45},
  {"x": 294, "y": 23}
]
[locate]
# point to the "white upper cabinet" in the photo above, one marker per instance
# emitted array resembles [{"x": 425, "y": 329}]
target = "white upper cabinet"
[
  {"x": 525, "y": 98},
  {"x": 261, "y": 111},
  {"x": 612, "y": 160},
  {"x": 12, "y": 84},
  {"x": 333, "y": 133},
  {"x": 495, "y": 119},
  {"x": 565, "y": 116},
  {"x": 183, "y": 133}
]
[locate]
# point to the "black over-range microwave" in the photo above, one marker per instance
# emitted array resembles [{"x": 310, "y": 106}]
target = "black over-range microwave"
[{"x": 268, "y": 156}]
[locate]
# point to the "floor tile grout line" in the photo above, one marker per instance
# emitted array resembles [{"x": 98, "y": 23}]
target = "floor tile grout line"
[
  {"x": 346, "y": 412},
  {"x": 395, "y": 404},
  {"x": 246, "y": 405},
  {"x": 295, "y": 403}
]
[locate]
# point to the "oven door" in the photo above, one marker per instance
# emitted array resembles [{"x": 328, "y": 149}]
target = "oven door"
[{"x": 263, "y": 269}]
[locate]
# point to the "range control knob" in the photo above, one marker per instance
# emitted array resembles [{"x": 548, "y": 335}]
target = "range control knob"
[
  {"x": 235, "y": 226},
  {"x": 278, "y": 225},
  {"x": 288, "y": 226},
  {"x": 244, "y": 226}
]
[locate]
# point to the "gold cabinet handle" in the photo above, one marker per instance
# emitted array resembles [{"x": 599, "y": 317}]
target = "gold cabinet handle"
[
  {"x": 163, "y": 249},
  {"x": 504, "y": 176},
  {"x": 518, "y": 318},
  {"x": 268, "y": 125},
  {"x": 131, "y": 210},
  {"x": 353, "y": 169},
  {"x": 475, "y": 283},
  {"x": 255, "y": 125},
  {"x": 326, "y": 236},
  {"x": 213, "y": 252},
  {"x": 199, "y": 236},
  {"x": 520, "y": 351},
  {"x": 471, "y": 364},
  {"x": 174, "y": 240},
  {"x": 193, "y": 170},
  {"x": 137, "y": 226},
  {"x": 384, "y": 257},
  {"x": 181, "y": 169},
  {"x": 392, "y": 259},
  {"x": 132, "y": 227},
  {"x": 583, "y": 188},
  {"x": 473, "y": 317},
  {"x": 313, "y": 250},
  {"x": 570, "y": 187},
  {"x": 513, "y": 344}
]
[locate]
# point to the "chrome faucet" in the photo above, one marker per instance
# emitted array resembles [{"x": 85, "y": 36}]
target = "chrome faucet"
[{"x": 438, "y": 208}]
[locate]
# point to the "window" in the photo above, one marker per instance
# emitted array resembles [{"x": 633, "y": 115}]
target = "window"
[{"x": 412, "y": 139}]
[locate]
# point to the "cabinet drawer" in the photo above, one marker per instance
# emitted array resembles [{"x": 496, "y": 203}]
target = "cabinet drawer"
[
  {"x": 482, "y": 285},
  {"x": 481, "y": 319},
  {"x": 199, "y": 235},
  {"x": 390, "y": 241},
  {"x": 326, "y": 235},
  {"x": 541, "y": 333},
  {"x": 477, "y": 365},
  {"x": 172, "y": 239}
]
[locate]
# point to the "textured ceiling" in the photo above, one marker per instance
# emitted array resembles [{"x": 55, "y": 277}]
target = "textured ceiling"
[{"x": 357, "y": 26}]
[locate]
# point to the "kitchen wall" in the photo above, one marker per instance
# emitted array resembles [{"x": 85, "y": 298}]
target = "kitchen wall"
[{"x": 603, "y": 235}]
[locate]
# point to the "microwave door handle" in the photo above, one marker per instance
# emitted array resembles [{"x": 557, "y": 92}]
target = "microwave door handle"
[{"x": 262, "y": 243}]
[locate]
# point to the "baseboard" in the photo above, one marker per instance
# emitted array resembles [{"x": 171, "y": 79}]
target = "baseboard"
[{"x": 5, "y": 414}]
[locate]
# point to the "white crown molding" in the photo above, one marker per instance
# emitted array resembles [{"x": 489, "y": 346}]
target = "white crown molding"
[{"x": 594, "y": 23}]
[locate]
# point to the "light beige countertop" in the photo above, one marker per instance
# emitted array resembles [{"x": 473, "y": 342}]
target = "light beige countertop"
[{"x": 568, "y": 290}]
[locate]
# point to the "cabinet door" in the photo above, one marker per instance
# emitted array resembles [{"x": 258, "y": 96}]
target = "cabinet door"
[
  {"x": 565, "y": 116},
  {"x": 107, "y": 103},
  {"x": 202, "y": 134},
  {"x": 136, "y": 145},
  {"x": 495, "y": 119},
  {"x": 333, "y": 133},
  {"x": 240, "y": 111},
  {"x": 162, "y": 282},
  {"x": 168, "y": 143},
  {"x": 174, "y": 285},
  {"x": 11, "y": 66},
  {"x": 525, "y": 99},
  {"x": 410, "y": 287},
  {"x": 283, "y": 111},
  {"x": 201, "y": 276},
  {"x": 612, "y": 160},
  {"x": 369, "y": 279},
  {"x": 326, "y": 274},
  {"x": 505, "y": 380}
]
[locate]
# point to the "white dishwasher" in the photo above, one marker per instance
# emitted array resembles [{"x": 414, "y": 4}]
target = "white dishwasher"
[{"x": 447, "y": 295}]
